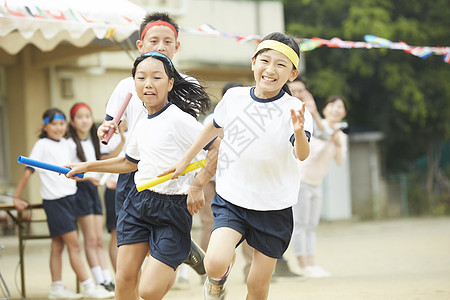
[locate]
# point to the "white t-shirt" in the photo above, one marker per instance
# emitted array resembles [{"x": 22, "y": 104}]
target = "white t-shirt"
[
  {"x": 115, "y": 140},
  {"x": 257, "y": 168},
  {"x": 159, "y": 141},
  {"x": 53, "y": 185},
  {"x": 89, "y": 152}
]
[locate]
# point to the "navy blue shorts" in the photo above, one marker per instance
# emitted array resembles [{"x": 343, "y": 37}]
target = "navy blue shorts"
[
  {"x": 60, "y": 215},
  {"x": 125, "y": 184},
  {"x": 269, "y": 232},
  {"x": 109, "y": 197},
  {"x": 161, "y": 220},
  {"x": 87, "y": 200}
]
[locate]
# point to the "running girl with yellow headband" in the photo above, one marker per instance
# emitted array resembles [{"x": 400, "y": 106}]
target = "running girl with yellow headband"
[{"x": 266, "y": 133}]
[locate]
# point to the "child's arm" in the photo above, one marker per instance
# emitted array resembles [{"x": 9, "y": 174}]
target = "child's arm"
[
  {"x": 341, "y": 147},
  {"x": 112, "y": 165},
  {"x": 208, "y": 133},
  {"x": 308, "y": 99},
  {"x": 18, "y": 202},
  {"x": 196, "y": 199},
  {"x": 301, "y": 144}
]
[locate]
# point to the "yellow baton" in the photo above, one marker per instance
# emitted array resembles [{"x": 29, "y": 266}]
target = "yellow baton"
[{"x": 158, "y": 180}]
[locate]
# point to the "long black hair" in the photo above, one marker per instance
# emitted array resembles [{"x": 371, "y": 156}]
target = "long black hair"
[
  {"x": 48, "y": 117},
  {"x": 74, "y": 135},
  {"x": 285, "y": 39},
  {"x": 189, "y": 96}
]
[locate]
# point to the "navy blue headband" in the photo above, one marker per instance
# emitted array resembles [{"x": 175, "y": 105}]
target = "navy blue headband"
[{"x": 158, "y": 54}]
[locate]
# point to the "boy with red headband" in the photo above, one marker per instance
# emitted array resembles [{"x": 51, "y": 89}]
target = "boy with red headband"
[{"x": 158, "y": 33}]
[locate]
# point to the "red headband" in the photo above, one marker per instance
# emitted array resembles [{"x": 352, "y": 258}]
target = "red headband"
[
  {"x": 156, "y": 23},
  {"x": 77, "y": 107}
]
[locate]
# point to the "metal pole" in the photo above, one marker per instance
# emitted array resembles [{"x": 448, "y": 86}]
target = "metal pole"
[{"x": 21, "y": 254}]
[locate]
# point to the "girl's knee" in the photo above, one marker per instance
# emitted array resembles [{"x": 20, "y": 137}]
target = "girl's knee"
[
  {"x": 100, "y": 243},
  {"x": 215, "y": 266},
  {"x": 74, "y": 247},
  {"x": 150, "y": 292},
  {"x": 125, "y": 278},
  {"x": 258, "y": 289}
]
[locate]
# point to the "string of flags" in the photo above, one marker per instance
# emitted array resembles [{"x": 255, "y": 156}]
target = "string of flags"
[{"x": 310, "y": 44}]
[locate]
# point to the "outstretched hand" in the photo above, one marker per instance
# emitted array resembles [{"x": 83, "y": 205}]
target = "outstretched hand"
[
  {"x": 177, "y": 168},
  {"x": 308, "y": 99},
  {"x": 75, "y": 169},
  {"x": 298, "y": 118}
]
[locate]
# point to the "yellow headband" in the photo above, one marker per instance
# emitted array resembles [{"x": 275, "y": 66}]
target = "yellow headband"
[{"x": 280, "y": 47}]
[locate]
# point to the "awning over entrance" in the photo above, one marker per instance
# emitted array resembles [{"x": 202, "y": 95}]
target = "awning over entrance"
[{"x": 46, "y": 23}]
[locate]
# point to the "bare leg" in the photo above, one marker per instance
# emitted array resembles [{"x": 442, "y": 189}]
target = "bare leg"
[
  {"x": 258, "y": 281},
  {"x": 206, "y": 215},
  {"x": 156, "y": 280},
  {"x": 221, "y": 250},
  {"x": 101, "y": 255},
  {"x": 129, "y": 261},
  {"x": 87, "y": 224},
  {"x": 74, "y": 248},
  {"x": 247, "y": 251},
  {"x": 57, "y": 247},
  {"x": 113, "y": 248}
]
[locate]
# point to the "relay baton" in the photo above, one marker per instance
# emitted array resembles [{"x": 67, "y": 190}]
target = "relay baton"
[
  {"x": 158, "y": 180},
  {"x": 42, "y": 165},
  {"x": 116, "y": 118}
]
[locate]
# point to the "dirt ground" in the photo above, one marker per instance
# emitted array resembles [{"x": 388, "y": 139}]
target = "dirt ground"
[{"x": 391, "y": 259}]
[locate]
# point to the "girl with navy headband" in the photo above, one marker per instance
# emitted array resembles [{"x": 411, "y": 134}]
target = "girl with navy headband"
[
  {"x": 266, "y": 133},
  {"x": 159, "y": 219},
  {"x": 58, "y": 196}
]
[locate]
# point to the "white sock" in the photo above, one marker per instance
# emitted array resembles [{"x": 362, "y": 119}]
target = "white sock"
[
  {"x": 183, "y": 271},
  {"x": 56, "y": 285},
  {"x": 107, "y": 275},
  {"x": 98, "y": 275},
  {"x": 88, "y": 283}
]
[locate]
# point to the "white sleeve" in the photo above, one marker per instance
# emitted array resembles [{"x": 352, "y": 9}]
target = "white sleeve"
[
  {"x": 117, "y": 97},
  {"x": 220, "y": 113},
  {"x": 37, "y": 153}
]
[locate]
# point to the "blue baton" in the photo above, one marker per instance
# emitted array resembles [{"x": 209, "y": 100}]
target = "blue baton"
[{"x": 42, "y": 165}]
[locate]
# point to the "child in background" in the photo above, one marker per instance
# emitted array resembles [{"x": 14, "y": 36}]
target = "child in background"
[
  {"x": 88, "y": 208},
  {"x": 266, "y": 134},
  {"x": 157, "y": 220},
  {"x": 58, "y": 196},
  {"x": 114, "y": 148}
]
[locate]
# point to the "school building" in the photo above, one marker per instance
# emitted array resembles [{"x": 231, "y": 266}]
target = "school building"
[{"x": 57, "y": 56}]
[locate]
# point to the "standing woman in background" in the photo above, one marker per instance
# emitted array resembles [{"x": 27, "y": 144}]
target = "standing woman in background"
[
  {"x": 327, "y": 144},
  {"x": 88, "y": 208}
]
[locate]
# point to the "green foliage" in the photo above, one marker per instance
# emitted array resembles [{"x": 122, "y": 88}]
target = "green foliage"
[{"x": 403, "y": 96}]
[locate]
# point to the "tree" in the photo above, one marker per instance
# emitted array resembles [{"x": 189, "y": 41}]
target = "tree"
[{"x": 405, "y": 97}]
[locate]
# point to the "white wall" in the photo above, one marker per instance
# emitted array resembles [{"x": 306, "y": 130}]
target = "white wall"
[{"x": 337, "y": 201}]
